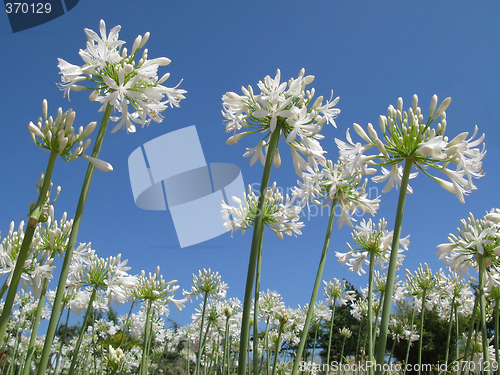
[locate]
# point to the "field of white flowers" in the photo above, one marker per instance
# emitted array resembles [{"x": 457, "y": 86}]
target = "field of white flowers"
[{"x": 429, "y": 319}]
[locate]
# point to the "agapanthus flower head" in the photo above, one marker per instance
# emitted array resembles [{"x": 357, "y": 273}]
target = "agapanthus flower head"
[
  {"x": 270, "y": 303},
  {"x": 345, "y": 332},
  {"x": 60, "y": 136},
  {"x": 327, "y": 181},
  {"x": 106, "y": 274},
  {"x": 373, "y": 244},
  {"x": 154, "y": 288},
  {"x": 116, "y": 78},
  {"x": 284, "y": 107},
  {"x": 423, "y": 281},
  {"x": 405, "y": 136},
  {"x": 280, "y": 214},
  {"x": 477, "y": 238},
  {"x": 334, "y": 291},
  {"x": 207, "y": 283}
]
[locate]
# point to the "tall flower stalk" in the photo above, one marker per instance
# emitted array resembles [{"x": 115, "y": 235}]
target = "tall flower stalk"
[
  {"x": 408, "y": 140},
  {"x": 477, "y": 246},
  {"x": 278, "y": 109},
  {"x": 58, "y": 136},
  {"x": 116, "y": 82}
]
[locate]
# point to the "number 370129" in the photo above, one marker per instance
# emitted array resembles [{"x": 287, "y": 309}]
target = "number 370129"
[{"x": 34, "y": 8}]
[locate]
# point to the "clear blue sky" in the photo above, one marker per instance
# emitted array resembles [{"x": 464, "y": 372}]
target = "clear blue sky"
[{"x": 369, "y": 53}]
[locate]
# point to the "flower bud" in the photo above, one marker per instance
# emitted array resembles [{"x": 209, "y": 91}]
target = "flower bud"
[
  {"x": 235, "y": 138},
  {"x": 145, "y": 38},
  {"x": 99, "y": 164},
  {"x": 89, "y": 129},
  {"x": 128, "y": 68},
  {"x": 34, "y": 130},
  {"x": 277, "y": 158},
  {"x": 400, "y": 104},
  {"x": 459, "y": 138},
  {"x": 137, "y": 43},
  {"x": 415, "y": 103},
  {"x": 444, "y": 105},
  {"x": 45, "y": 109},
  {"x": 162, "y": 61},
  {"x": 361, "y": 132},
  {"x": 163, "y": 78},
  {"x": 317, "y": 103},
  {"x": 372, "y": 132}
]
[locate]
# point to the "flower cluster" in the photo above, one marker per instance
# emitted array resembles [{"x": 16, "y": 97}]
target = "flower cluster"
[
  {"x": 119, "y": 80},
  {"x": 109, "y": 275},
  {"x": 405, "y": 136},
  {"x": 207, "y": 283},
  {"x": 374, "y": 245},
  {"x": 280, "y": 106},
  {"x": 336, "y": 181},
  {"x": 478, "y": 238},
  {"x": 154, "y": 288},
  {"x": 60, "y": 136},
  {"x": 279, "y": 213}
]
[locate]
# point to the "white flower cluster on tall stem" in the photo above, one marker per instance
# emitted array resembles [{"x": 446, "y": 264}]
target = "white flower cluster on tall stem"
[
  {"x": 373, "y": 245},
  {"x": 421, "y": 285},
  {"x": 336, "y": 181},
  {"x": 119, "y": 80},
  {"x": 207, "y": 283},
  {"x": 336, "y": 291},
  {"x": 280, "y": 106},
  {"x": 60, "y": 136},
  {"x": 453, "y": 292},
  {"x": 476, "y": 238},
  {"x": 154, "y": 288},
  {"x": 279, "y": 213},
  {"x": 109, "y": 275},
  {"x": 405, "y": 136}
]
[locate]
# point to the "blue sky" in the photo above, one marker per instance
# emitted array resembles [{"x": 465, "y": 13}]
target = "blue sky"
[{"x": 369, "y": 53}]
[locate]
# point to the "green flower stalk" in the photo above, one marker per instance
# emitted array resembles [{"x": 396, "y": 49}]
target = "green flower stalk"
[
  {"x": 476, "y": 247},
  {"x": 116, "y": 81},
  {"x": 59, "y": 137},
  {"x": 346, "y": 334},
  {"x": 421, "y": 285},
  {"x": 334, "y": 290},
  {"x": 209, "y": 285},
  {"x": 275, "y": 111},
  {"x": 406, "y": 139},
  {"x": 156, "y": 292}
]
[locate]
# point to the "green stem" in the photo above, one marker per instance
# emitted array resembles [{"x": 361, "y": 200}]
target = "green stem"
[
  {"x": 265, "y": 350},
  {"x": 482, "y": 306},
  {"x": 145, "y": 345},
  {"x": 277, "y": 351},
  {"x": 49, "y": 338},
  {"x": 200, "y": 343},
  {"x": 319, "y": 274},
  {"x": 421, "y": 338},
  {"x": 391, "y": 272},
  {"x": 76, "y": 351},
  {"x": 4, "y": 289},
  {"x": 256, "y": 244},
  {"x": 26, "y": 245},
  {"x": 409, "y": 339},
  {"x": 370, "y": 316},
  {"x": 450, "y": 324},
  {"x": 34, "y": 329},
  {"x": 62, "y": 338},
  {"x": 331, "y": 330},
  {"x": 471, "y": 325},
  {"x": 497, "y": 356},
  {"x": 225, "y": 360},
  {"x": 342, "y": 351},
  {"x": 256, "y": 311}
]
